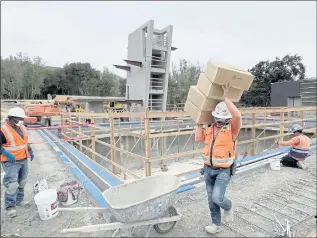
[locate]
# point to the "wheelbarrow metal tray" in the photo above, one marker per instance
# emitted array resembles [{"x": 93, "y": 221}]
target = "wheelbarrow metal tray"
[{"x": 143, "y": 199}]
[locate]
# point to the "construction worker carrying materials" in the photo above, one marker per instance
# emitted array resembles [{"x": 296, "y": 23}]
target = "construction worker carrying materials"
[
  {"x": 219, "y": 156},
  {"x": 300, "y": 145},
  {"x": 15, "y": 152}
]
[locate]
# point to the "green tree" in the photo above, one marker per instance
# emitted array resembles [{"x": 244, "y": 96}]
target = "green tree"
[
  {"x": 21, "y": 76},
  {"x": 54, "y": 82},
  {"x": 289, "y": 68},
  {"x": 180, "y": 79},
  {"x": 77, "y": 77}
]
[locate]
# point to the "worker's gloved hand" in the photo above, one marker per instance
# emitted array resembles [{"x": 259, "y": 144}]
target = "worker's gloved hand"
[
  {"x": 10, "y": 156},
  {"x": 32, "y": 155}
]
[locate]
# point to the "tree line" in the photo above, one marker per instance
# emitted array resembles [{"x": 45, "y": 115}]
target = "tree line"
[{"x": 23, "y": 77}]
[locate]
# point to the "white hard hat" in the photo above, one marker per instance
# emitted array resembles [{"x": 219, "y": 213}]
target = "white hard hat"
[
  {"x": 296, "y": 127},
  {"x": 221, "y": 111},
  {"x": 16, "y": 112}
]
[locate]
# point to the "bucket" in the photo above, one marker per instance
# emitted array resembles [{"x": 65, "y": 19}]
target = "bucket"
[
  {"x": 275, "y": 165},
  {"x": 40, "y": 186},
  {"x": 47, "y": 204}
]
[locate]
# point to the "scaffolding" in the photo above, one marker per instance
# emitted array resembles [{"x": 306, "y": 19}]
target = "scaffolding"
[{"x": 172, "y": 138}]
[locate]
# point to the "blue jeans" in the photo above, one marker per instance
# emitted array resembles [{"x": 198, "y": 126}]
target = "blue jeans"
[
  {"x": 217, "y": 181},
  {"x": 14, "y": 180}
]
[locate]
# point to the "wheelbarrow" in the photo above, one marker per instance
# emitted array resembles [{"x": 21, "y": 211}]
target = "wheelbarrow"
[{"x": 144, "y": 202}]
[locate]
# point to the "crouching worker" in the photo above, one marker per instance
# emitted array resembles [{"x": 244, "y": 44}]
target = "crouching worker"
[
  {"x": 219, "y": 158},
  {"x": 15, "y": 152},
  {"x": 300, "y": 145}
]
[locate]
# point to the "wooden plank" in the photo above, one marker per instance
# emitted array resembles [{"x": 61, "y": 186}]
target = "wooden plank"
[
  {"x": 244, "y": 111},
  {"x": 190, "y": 152},
  {"x": 253, "y": 135},
  {"x": 113, "y": 143},
  {"x": 158, "y": 135},
  {"x": 80, "y": 132},
  {"x": 63, "y": 124},
  {"x": 302, "y": 118},
  {"x": 180, "y": 133},
  {"x": 282, "y": 125},
  {"x": 262, "y": 138},
  {"x": 249, "y": 111},
  {"x": 269, "y": 124},
  {"x": 71, "y": 131},
  {"x": 147, "y": 147},
  {"x": 92, "y": 135}
]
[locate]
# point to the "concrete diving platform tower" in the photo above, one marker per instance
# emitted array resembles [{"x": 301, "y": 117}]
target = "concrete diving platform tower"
[{"x": 148, "y": 67}]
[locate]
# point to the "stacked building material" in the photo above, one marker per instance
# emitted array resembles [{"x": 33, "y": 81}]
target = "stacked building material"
[{"x": 203, "y": 97}]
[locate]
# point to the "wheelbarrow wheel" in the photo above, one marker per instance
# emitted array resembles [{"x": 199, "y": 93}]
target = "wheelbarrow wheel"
[{"x": 164, "y": 228}]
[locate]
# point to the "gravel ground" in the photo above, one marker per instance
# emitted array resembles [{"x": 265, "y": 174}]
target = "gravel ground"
[
  {"x": 46, "y": 164},
  {"x": 246, "y": 190}
]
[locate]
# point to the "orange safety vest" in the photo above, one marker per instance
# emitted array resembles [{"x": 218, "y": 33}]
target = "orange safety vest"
[
  {"x": 301, "y": 151},
  {"x": 224, "y": 149},
  {"x": 17, "y": 146}
]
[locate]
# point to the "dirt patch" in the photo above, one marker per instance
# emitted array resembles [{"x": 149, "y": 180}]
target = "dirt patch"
[{"x": 46, "y": 164}]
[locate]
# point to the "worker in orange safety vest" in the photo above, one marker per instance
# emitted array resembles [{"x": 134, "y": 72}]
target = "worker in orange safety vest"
[
  {"x": 300, "y": 145},
  {"x": 219, "y": 156},
  {"x": 15, "y": 152}
]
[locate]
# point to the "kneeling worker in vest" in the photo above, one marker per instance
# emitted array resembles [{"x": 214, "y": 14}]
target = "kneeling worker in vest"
[
  {"x": 300, "y": 145},
  {"x": 15, "y": 152},
  {"x": 219, "y": 158}
]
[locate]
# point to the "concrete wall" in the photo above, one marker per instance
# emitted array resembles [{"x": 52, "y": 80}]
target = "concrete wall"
[
  {"x": 281, "y": 91},
  {"x": 135, "y": 78}
]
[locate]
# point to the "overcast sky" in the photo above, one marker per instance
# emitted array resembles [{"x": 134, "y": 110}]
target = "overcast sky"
[{"x": 238, "y": 33}]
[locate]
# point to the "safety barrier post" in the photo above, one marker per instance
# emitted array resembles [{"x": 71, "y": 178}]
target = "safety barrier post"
[
  {"x": 282, "y": 125},
  {"x": 92, "y": 135},
  {"x": 63, "y": 126},
  {"x": 80, "y": 134},
  {"x": 113, "y": 143},
  {"x": 71, "y": 131},
  {"x": 253, "y": 134},
  {"x": 302, "y": 118},
  {"x": 147, "y": 146}
]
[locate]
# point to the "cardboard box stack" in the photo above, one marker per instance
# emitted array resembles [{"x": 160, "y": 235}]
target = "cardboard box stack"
[{"x": 208, "y": 92}]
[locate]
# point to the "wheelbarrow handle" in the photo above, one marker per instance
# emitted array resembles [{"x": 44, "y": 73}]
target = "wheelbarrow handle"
[
  {"x": 83, "y": 209},
  {"x": 119, "y": 225}
]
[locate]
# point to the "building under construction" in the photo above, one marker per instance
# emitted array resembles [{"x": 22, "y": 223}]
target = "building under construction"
[
  {"x": 107, "y": 153},
  {"x": 148, "y": 64}
]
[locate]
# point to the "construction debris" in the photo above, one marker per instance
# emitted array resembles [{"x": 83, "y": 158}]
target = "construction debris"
[
  {"x": 284, "y": 232},
  {"x": 69, "y": 192}
]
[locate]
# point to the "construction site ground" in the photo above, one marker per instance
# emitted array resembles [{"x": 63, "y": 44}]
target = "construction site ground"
[{"x": 257, "y": 195}]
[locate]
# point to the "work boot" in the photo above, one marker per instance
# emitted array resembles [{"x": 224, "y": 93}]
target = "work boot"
[
  {"x": 212, "y": 229},
  {"x": 301, "y": 164},
  {"x": 23, "y": 204},
  {"x": 11, "y": 212},
  {"x": 228, "y": 215}
]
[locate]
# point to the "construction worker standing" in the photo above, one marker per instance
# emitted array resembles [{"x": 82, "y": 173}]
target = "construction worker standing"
[
  {"x": 219, "y": 155},
  {"x": 300, "y": 145},
  {"x": 14, "y": 154}
]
